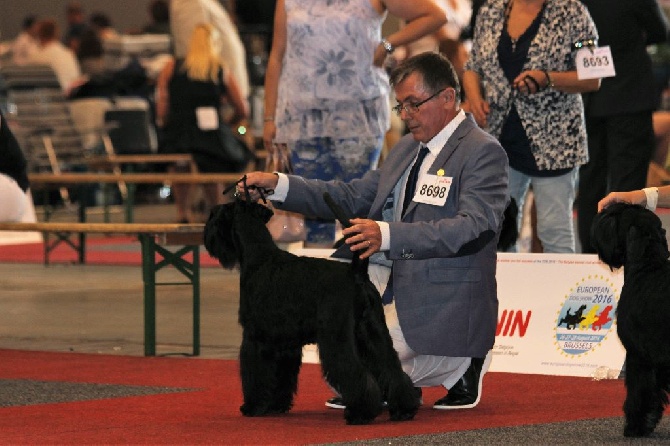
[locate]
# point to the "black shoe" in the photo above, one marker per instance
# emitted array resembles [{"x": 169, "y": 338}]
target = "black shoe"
[
  {"x": 467, "y": 391},
  {"x": 337, "y": 402}
]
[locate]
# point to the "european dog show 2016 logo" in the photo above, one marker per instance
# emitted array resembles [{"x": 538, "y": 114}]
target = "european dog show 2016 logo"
[{"x": 586, "y": 316}]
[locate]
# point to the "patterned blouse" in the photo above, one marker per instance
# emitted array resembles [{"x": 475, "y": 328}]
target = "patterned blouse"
[
  {"x": 553, "y": 120},
  {"x": 329, "y": 86}
]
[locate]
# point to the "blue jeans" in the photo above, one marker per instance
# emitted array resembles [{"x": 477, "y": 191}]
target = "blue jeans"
[
  {"x": 554, "y": 197},
  {"x": 342, "y": 159}
]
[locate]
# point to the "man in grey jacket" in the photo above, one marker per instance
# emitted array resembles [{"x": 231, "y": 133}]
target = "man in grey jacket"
[{"x": 439, "y": 290}]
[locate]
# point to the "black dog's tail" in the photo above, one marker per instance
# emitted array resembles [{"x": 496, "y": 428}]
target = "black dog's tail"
[
  {"x": 337, "y": 210},
  {"x": 359, "y": 266},
  {"x": 342, "y": 217}
]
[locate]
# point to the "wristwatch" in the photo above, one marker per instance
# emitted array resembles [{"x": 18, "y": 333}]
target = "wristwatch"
[{"x": 387, "y": 46}]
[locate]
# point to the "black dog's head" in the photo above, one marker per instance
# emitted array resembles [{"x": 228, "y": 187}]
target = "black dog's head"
[
  {"x": 222, "y": 231},
  {"x": 628, "y": 235}
]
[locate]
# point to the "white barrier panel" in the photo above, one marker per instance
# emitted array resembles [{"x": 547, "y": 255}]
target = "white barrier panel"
[{"x": 556, "y": 315}]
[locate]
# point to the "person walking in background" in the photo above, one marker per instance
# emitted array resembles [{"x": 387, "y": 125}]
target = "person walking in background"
[
  {"x": 185, "y": 15},
  {"x": 25, "y": 43},
  {"x": 90, "y": 54},
  {"x": 189, "y": 96},
  {"x": 447, "y": 39},
  {"x": 76, "y": 25},
  {"x": 619, "y": 115},
  {"x": 444, "y": 329},
  {"x": 326, "y": 92},
  {"x": 102, "y": 25},
  {"x": 53, "y": 53},
  {"x": 159, "y": 12},
  {"x": 458, "y": 17},
  {"x": 524, "y": 52}
]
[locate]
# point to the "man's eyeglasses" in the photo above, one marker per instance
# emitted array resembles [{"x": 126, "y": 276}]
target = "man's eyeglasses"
[{"x": 412, "y": 108}]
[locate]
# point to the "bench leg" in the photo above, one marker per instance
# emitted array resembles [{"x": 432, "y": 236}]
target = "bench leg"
[
  {"x": 196, "y": 300},
  {"x": 105, "y": 202},
  {"x": 191, "y": 270},
  {"x": 149, "y": 278},
  {"x": 64, "y": 237},
  {"x": 82, "y": 248},
  {"x": 47, "y": 247},
  {"x": 130, "y": 203}
]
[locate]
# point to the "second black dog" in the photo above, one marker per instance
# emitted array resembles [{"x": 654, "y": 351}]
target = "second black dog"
[{"x": 632, "y": 236}]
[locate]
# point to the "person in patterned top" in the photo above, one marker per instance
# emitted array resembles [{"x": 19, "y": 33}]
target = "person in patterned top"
[{"x": 523, "y": 51}]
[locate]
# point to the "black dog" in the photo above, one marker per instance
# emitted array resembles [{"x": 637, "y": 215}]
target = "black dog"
[
  {"x": 631, "y": 236},
  {"x": 286, "y": 302}
]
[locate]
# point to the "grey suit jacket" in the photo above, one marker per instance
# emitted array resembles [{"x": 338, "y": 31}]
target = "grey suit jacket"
[{"x": 444, "y": 257}]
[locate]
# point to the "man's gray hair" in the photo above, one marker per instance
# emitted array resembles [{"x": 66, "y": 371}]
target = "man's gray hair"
[{"x": 436, "y": 71}]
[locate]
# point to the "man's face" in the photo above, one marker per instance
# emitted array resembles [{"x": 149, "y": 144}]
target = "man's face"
[{"x": 431, "y": 116}]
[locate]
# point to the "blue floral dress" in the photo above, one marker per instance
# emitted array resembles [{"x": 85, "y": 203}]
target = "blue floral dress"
[{"x": 332, "y": 103}]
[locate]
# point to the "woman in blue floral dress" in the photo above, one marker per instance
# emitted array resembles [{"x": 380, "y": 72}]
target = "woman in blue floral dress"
[{"x": 326, "y": 92}]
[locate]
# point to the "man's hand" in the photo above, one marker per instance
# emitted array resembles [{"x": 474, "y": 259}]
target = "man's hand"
[
  {"x": 264, "y": 180},
  {"x": 363, "y": 235}
]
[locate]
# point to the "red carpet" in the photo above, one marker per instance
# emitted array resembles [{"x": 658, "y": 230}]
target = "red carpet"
[
  {"x": 100, "y": 250},
  {"x": 208, "y": 414}
]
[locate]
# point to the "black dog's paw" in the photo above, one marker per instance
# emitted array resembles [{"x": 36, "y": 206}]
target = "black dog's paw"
[
  {"x": 633, "y": 430},
  {"x": 403, "y": 416},
  {"x": 404, "y": 413},
  {"x": 643, "y": 428},
  {"x": 356, "y": 420},
  {"x": 363, "y": 413},
  {"x": 281, "y": 408},
  {"x": 249, "y": 410},
  {"x": 646, "y": 427},
  {"x": 404, "y": 403}
]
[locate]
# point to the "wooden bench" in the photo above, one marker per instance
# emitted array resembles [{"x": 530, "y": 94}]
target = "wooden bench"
[
  {"x": 48, "y": 181},
  {"x": 70, "y": 178},
  {"x": 153, "y": 237},
  {"x": 115, "y": 162},
  {"x": 110, "y": 161},
  {"x": 118, "y": 164}
]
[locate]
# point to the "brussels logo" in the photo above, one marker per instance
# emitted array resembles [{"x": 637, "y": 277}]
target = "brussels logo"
[{"x": 586, "y": 316}]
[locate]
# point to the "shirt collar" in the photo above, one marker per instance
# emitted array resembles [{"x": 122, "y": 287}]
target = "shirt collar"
[{"x": 436, "y": 144}]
